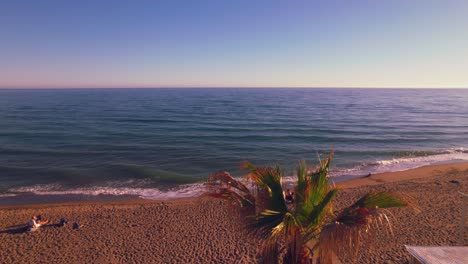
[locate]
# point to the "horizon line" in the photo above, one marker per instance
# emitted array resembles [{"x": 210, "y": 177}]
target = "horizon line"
[{"x": 222, "y": 87}]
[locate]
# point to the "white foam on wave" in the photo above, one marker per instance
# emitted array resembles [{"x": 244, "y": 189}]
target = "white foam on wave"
[
  {"x": 449, "y": 155},
  {"x": 405, "y": 163},
  {"x": 186, "y": 191},
  {"x": 3, "y": 195}
]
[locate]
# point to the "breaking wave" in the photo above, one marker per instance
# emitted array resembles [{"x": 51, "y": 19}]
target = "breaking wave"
[{"x": 137, "y": 188}]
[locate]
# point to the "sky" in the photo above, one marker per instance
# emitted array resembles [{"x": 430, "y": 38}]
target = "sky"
[{"x": 200, "y": 43}]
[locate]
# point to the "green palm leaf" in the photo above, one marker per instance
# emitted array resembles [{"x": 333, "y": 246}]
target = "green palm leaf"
[
  {"x": 270, "y": 180},
  {"x": 315, "y": 213},
  {"x": 319, "y": 180},
  {"x": 381, "y": 200},
  {"x": 302, "y": 183}
]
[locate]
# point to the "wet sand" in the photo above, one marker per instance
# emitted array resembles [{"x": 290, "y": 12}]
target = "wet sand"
[{"x": 203, "y": 230}]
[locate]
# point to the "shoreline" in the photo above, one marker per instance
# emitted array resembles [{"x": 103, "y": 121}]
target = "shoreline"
[
  {"x": 404, "y": 175},
  {"x": 202, "y": 230},
  {"x": 31, "y": 199}
]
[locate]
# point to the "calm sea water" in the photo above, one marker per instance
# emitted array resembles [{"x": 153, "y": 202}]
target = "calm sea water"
[{"x": 160, "y": 143}]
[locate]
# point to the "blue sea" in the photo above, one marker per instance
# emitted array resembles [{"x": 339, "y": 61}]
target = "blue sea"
[{"x": 163, "y": 143}]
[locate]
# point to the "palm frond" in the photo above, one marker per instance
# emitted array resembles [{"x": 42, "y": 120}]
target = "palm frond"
[
  {"x": 313, "y": 214},
  {"x": 223, "y": 185},
  {"x": 313, "y": 192},
  {"x": 357, "y": 224},
  {"x": 224, "y": 177},
  {"x": 269, "y": 224},
  {"x": 302, "y": 183},
  {"x": 345, "y": 239},
  {"x": 269, "y": 179},
  {"x": 270, "y": 253},
  {"x": 368, "y": 206},
  {"x": 319, "y": 179},
  {"x": 381, "y": 200}
]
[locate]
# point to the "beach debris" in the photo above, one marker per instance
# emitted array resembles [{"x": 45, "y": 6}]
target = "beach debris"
[
  {"x": 76, "y": 225},
  {"x": 63, "y": 222}
]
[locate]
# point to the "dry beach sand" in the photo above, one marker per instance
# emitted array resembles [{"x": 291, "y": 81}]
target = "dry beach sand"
[
  {"x": 435, "y": 192},
  {"x": 203, "y": 230}
]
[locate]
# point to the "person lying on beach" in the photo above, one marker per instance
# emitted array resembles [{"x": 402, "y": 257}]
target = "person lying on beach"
[{"x": 35, "y": 223}]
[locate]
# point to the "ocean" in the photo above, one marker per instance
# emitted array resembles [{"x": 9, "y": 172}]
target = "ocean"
[{"x": 163, "y": 143}]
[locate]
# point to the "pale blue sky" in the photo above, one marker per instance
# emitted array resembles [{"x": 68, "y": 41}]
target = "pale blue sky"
[{"x": 384, "y": 43}]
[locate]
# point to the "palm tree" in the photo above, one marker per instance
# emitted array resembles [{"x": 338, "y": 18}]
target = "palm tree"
[{"x": 306, "y": 231}]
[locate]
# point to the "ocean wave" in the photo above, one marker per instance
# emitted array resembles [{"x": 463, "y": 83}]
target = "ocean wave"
[
  {"x": 428, "y": 157},
  {"x": 156, "y": 175},
  {"x": 4, "y": 195},
  {"x": 407, "y": 160},
  {"x": 138, "y": 186},
  {"x": 100, "y": 175},
  {"x": 185, "y": 191}
]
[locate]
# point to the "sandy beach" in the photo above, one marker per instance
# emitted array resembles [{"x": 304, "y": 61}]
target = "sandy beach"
[{"x": 203, "y": 230}]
